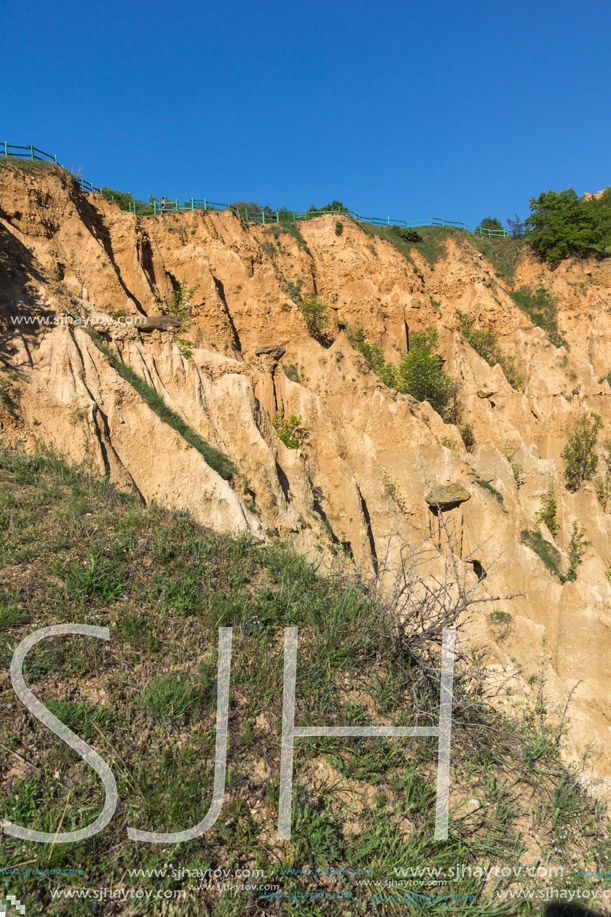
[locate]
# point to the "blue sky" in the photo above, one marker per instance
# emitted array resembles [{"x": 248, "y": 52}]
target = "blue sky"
[{"x": 456, "y": 109}]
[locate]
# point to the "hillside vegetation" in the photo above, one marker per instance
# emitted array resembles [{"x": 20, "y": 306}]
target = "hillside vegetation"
[
  {"x": 253, "y": 419},
  {"x": 76, "y": 550}
]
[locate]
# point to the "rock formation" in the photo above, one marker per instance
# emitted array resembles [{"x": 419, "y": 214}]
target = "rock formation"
[{"x": 368, "y": 457}]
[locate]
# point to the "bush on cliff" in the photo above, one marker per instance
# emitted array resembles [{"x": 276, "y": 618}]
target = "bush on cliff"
[
  {"x": 580, "y": 459},
  {"x": 419, "y": 373}
]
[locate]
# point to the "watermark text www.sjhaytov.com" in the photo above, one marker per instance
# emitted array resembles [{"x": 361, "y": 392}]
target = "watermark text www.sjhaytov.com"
[{"x": 82, "y": 321}]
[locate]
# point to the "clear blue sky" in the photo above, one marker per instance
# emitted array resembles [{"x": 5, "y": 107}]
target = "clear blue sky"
[{"x": 455, "y": 108}]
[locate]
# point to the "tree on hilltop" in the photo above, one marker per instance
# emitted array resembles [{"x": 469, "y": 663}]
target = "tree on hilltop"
[
  {"x": 490, "y": 224},
  {"x": 562, "y": 224}
]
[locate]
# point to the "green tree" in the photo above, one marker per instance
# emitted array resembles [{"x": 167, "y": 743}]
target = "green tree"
[
  {"x": 490, "y": 224},
  {"x": 562, "y": 224},
  {"x": 333, "y": 207},
  {"x": 580, "y": 459},
  {"x": 421, "y": 374}
]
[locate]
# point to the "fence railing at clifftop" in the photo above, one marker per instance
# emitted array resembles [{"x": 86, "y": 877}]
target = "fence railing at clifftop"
[
  {"x": 10, "y": 151},
  {"x": 261, "y": 215}
]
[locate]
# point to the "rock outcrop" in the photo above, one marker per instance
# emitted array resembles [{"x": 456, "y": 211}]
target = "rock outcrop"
[{"x": 368, "y": 456}]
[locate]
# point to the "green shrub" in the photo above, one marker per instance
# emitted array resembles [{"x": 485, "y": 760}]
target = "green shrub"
[
  {"x": 289, "y": 430},
  {"x": 550, "y": 555},
  {"x": 253, "y": 209},
  {"x": 11, "y": 614},
  {"x": 180, "y": 307},
  {"x": 170, "y": 699},
  {"x": 577, "y": 548},
  {"x": 79, "y": 716},
  {"x": 421, "y": 374},
  {"x": 123, "y": 198},
  {"x": 486, "y": 485},
  {"x": 428, "y": 240},
  {"x": 485, "y": 343},
  {"x": 602, "y": 483},
  {"x": 482, "y": 340},
  {"x": 518, "y": 471},
  {"x": 500, "y": 621},
  {"x": 339, "y": 227},
  {"x": 185, "y": 346},
  {"x": 540, "y": 307},
  {"x": 316, "y": 317},
  {"x": 99, "y": 577},
  {"x": 291, "y": 372},
  {"x": 580, "y": 459},
  {"x": 374, "y": 356},
  {"x": 333, "y": 207},
  {"x": 499, "y": 617},
  {"x": 407, "y": 235},
  {"x": 468, "y": 437},
  {"x": 549, "y": 512},
  {"x": 490, "y": 224}
]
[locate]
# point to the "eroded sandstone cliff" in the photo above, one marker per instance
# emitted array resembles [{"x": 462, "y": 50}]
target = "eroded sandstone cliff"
[{"x": 368, "y": 456}]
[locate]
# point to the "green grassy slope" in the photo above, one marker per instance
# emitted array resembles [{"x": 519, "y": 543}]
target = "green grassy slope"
[{"x": 73, "y": 549}]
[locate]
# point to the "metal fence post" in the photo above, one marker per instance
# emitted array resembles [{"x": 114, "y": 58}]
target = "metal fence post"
[
  {"x": 5, "y": 150},
  {"x": 31, "y": 152},
  {"x": 192, "y": 207},
  {"x": 205, "y": 207}
]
